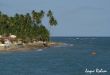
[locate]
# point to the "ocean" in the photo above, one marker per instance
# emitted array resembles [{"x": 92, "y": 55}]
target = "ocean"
[{"x": 79, "y": 56}]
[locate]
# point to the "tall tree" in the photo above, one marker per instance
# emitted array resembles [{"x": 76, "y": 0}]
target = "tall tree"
[
  {"x": 52, "y": 20},
  {"x": 27, "y": 26}
]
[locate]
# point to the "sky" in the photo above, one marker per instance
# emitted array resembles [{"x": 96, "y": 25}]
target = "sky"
[{"x": 75, "y": 17}]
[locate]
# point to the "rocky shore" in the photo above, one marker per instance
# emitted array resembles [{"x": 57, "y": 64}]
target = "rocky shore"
[{"x": 30, "y": 46}]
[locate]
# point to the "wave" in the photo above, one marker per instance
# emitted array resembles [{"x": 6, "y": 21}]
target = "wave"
[
  {"x": 68, "y": 45},
  {"x": 40, "y": 50}
]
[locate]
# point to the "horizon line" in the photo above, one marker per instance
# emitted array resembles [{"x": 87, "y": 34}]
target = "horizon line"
[{"x": 79, "y": 36}]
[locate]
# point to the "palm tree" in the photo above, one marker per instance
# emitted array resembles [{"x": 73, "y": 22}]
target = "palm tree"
[
  {"x": 27, "y": 26},
  {"x": 52, "y": 20},
  {"x": 49, "y": 14}
]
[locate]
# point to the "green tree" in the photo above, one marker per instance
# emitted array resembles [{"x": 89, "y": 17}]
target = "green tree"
[
  {"x": 52, "y": 20},
  {"x": 27, "y": 26}
]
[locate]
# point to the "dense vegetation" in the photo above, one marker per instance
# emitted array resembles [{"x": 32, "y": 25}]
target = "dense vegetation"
[{"x": 27, "y": 26}]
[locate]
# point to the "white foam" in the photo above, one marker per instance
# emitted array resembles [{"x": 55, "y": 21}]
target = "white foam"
[
  {"x": 77, "y": 38},
  {"x": 67, "y": 45},
  {"x": 40, "y": 50},
  {"x": 71, "y": 45}
]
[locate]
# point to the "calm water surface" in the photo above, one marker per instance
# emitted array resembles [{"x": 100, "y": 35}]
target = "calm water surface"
[{"x": 71, "y": 59}]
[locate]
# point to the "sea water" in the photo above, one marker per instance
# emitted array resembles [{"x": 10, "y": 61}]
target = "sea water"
[{"x": 74, "y": 58}]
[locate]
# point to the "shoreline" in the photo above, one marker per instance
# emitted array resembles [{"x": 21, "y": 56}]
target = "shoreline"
[{"x": 31, "y": 46}]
